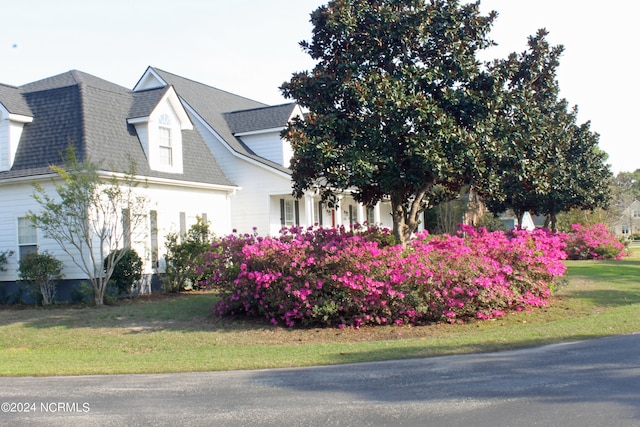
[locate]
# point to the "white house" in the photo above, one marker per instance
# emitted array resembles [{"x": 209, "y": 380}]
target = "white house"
[
  {"x": 629, "y": 222},
  {"x": 201, "y": 151},
  {"x": 244, "y": 137}
]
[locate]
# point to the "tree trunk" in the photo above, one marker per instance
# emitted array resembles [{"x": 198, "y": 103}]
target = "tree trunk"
[{"x": 405, "y": 223}]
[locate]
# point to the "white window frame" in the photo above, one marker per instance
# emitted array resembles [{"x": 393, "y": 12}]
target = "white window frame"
[
  {"x": 27, "y": 237},
  {"x": 289, "y": 213},
  {"x": 165, "y": 146}
]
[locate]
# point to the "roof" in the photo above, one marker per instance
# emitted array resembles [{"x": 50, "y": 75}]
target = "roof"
[
  {"x": 11, "y": 99},
  {"x": 225, "y": 113},
  {"x": 259, "y": 118},
  {"x": 91, "y": 114}
]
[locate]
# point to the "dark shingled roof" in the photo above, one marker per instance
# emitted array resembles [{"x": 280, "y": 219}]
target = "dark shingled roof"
[
  {"x": 11, "y": 99},
  {"x": 259, "y": 118},
  {"x": 91, "y": 114},
  {"x": 223, "y": 111}
]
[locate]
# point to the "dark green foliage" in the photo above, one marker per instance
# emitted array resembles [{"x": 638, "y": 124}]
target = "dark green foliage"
[
  {"x": 395, "y": 103},
  {"x": 42, "y": 271},
  {"x": 3, "y": 259},
  {"x": 539, "y": 159},
  {"x": 182, "y": 251},
  {"x": 127, "y": 271}
]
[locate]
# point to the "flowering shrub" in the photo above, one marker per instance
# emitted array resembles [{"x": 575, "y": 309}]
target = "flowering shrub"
[
  {"x": 343, "y": 278},
  {"x": 593, "y": 242}
]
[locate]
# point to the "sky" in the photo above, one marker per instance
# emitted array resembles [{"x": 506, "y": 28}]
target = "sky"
[{"x": 250, "y": 47}]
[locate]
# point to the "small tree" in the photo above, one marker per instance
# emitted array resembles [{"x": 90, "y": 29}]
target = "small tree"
[
  {"x": 92, "y": 214},
  {"x": 128, "y": 270},
  {"x": 182, "y": 251},
  {"x": 43, "y": 272}
]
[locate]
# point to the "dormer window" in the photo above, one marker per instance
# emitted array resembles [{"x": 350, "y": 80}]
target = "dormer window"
[
  {"x": 164, "y": 141},
  {"x": 160, "y": 128}
]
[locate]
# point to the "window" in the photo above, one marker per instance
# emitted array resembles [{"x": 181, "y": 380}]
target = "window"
[
  {"x": 353, "y": 215},
  {"x": 164, "y": 141},
  {"x": 27, "y": 237},
  {"x": 289, "y": 212},
  {"x": 636, "y": 213},
  {"x": 371, "y": 218}
]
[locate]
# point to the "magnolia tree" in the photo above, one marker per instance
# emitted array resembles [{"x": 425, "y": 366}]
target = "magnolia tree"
[
  {"x": 542, "y": 161},
  {"x": 394, "y": 103},
  {"x": 93, "y": 214}
]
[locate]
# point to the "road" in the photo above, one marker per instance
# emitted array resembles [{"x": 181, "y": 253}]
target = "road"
[{"x": 586, "y": 383}]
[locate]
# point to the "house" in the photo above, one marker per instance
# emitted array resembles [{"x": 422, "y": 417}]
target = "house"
[
  {"x": 201, "y": 152},
  {"x": 629, "y": 222},
  {"x": 244, "y": 137}
]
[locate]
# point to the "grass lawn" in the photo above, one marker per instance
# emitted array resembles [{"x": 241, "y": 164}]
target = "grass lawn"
[{"x": 177, "y": 333}]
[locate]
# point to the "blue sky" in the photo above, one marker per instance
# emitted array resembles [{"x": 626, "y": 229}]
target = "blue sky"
[{"x": 249, "y": 47}]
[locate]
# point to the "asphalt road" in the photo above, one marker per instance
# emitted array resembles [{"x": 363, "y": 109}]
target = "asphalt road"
[{"x": 588, "y": 383}]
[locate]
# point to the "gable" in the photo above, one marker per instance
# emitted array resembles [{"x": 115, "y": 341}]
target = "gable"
[
  {"x": 14, "y": 113},
  {"x": 92, "y": 115},
  {"x": 159, "y": 119},
  {"x": 209, "y": 105}
]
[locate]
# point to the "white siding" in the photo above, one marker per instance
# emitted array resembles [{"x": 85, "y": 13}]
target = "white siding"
[
  {"x": 250, "y": 206},
  {"x": 270, "y": 146},
  {"x": 168, "y": 201},
  {"x": 10, "y": 133},
  {"x": 4, "y": 145},
  {"x": 17, "y": 201}
]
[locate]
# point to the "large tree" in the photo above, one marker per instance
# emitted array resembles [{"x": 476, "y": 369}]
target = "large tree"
[
  {"x": 543, "y": 161},
  {"x": 92, "y": 214},
  {"x": 394, "y": 103}
]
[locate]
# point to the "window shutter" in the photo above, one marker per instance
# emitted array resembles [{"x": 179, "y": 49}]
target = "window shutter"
[
  {"x": 320, "y": 214},
  {"x": 296, "y": 208},
  {"x": 282, "y": 212}
]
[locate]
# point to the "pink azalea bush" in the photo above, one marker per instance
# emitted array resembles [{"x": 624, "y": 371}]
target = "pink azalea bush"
[
  {"x": 593, "y": 242},
  {"x": 344, "y": 278}
]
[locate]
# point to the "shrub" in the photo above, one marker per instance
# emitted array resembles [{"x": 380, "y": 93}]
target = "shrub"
[
  {"x": 127, "y": 272},
  {"x": 3, "y": 259},
  {"x": 341, "y": 278},
  {"x": 593, "y": 242},
  {"x": 182, "y": 252},
  {"x": 42, "y": 271}
]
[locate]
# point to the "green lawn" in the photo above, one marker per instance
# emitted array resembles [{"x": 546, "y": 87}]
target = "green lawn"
[{"x": 178, "y": 333}]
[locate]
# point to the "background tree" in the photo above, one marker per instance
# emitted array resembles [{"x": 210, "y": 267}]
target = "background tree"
[
  {"x": 394, "y": 102},
  {"x": 543, "y": 162},
  {"x": 90, "y": 216},
  {"x": 577, "y": 173}
]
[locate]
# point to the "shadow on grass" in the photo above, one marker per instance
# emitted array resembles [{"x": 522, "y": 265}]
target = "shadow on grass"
[
  {"x": 618, "y": 271},
  {"x": 609, "y": 298},
  {"x": 154, "y": 312}
]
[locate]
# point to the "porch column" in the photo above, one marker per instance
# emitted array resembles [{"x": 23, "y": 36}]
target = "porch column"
[
  {"x": 376, "y": 214},
  {"x": 309, "y": 209},
  {"x": 360, "y": 214}
]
